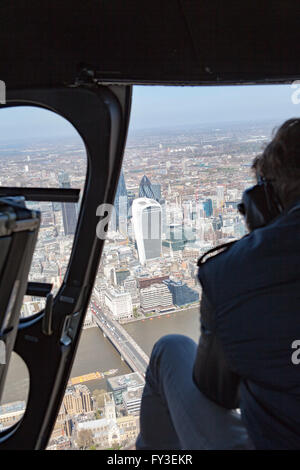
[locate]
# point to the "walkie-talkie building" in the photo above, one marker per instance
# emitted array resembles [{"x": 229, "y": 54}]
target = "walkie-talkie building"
[{"x": 147, "y": 225}]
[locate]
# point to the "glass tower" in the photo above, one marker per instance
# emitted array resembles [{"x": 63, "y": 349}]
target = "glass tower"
[
  {"x": 68, "y": 208},
  {"x": 147, "y": 224},
  {"x": 151, "y": 191},
  {"x": 121, "y": 205}
]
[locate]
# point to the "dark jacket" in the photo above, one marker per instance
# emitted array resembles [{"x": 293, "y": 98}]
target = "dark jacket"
[{"x": 253, "y": 293}]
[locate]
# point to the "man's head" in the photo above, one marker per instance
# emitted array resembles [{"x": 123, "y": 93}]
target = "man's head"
[{"x": 280, "y": 162}]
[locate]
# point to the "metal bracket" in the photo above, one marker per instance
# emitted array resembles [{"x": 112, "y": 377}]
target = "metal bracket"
[{"x": 47, "y": 320}]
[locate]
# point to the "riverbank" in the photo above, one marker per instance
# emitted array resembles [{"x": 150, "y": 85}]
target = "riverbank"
[
  {"x": 160, "y": 314},
  {"x": 96, "y": 353}
]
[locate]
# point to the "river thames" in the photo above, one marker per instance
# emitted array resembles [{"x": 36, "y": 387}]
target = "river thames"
[{"x": 96, "y": 353}]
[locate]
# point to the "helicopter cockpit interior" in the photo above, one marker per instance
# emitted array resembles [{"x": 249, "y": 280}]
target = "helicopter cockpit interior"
[{"x": 82, "y": 61}]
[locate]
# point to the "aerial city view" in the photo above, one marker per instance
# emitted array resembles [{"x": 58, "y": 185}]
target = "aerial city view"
[{"x": 177, "y": 197}]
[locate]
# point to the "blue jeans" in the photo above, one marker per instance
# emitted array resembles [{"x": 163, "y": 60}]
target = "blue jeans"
[{"x": 175, "y": 414}]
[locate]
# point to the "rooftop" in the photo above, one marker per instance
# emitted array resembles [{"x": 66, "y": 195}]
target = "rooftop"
[{"x": 126, "y": 380}]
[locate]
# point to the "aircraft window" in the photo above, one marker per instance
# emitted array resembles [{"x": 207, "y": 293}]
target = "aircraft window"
[
  {"x": 15, "y": 393},
  {"x": 39, "y": 148},
  {"x": 187, "y": 161}
]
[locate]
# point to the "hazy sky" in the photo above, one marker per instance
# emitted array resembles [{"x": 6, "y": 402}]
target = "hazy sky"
[
  {"x": 157, "y": 106},
  {"x": 162, "y": 106}
]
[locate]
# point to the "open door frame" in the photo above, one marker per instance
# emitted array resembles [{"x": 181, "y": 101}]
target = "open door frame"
[{"x": 100, "y": 114}]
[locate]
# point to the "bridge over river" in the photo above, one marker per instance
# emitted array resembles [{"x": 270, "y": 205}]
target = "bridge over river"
[{"x": 128, "y": 349}]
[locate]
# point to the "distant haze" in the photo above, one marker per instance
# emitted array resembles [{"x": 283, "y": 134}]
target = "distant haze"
[{"x": 157, "y": 107}]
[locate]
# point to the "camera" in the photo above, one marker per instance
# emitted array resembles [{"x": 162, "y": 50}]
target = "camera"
[{"x": 259, "y": 204}]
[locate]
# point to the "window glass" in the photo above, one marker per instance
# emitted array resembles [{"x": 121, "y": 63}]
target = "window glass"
[
  {"x": 39, "y": 148},
  {"x": 15, "y": 393},
  {"x": 187, "y": 162}
]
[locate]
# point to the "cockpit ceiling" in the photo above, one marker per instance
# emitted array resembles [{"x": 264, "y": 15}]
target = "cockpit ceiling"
[{"x": 47, "y": 43}]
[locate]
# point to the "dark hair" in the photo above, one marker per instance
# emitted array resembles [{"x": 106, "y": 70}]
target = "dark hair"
[{"x": 280, "y": 162}]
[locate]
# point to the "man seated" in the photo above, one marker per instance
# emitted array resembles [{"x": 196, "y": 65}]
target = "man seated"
[{"x": 250, "y": 320}]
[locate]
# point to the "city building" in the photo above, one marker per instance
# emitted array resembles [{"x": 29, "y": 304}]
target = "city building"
[
  {"x": 181, "y": 293},
  {"x": 119, "y": 276},
  {"x": 11, "y": 413},
  {"x": 99, "y": 291},
  {"x": 68, "y": 208},
  {"x": 121, "y": 383},
  {"x": 110, "y": 431},
  {"x": 132, "y": 400},
  {"x": 129, "y": 428},
  {"x": 177, "y": 236},
  {"x": 60, "y": 443},
  {"x": 156, "y": 297},
  {"x": 121, "y": 206},
  {"x": 118, "y": 303},
  {"x": 148, "y": 190},
  {"x": 63, "y": 425},
  {"x": 105, "y": 432},
  {"x": 147, "y": 224},
  {"x": 130, "y": 286},
  {"x": 146, "y": 281},
  {"x": 131, "y": 196},
  {"x": 220, "y": 195},
  {"x": 208, "y": 207},
  {"x": 78, "y": 400}
]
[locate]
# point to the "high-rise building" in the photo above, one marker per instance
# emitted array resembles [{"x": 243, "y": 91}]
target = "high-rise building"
[
  {"x": 119, "y": 276},
  {"x": 151, "y": 191},
  {"x": 121, "y": 206},
  {"x": 69, "y": 211},
  {"x": 157, "y": 191},
  {"x": 178, "y": 235},
  {"x": 208, "y": 207},
  {"x": 220, "y": 195},
  {"x": 131, "y": 196},
  {"x": 147, "y": 224}
]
